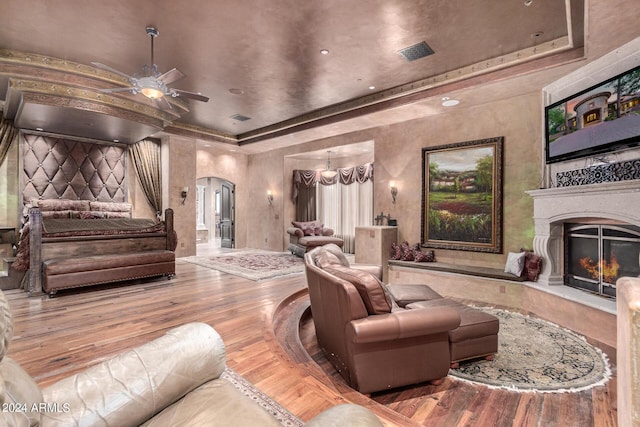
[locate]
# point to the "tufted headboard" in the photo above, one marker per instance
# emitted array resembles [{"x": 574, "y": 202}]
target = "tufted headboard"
[{"x": 58, "y": 168}]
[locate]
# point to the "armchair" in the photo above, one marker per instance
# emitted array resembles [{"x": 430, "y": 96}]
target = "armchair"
[
  {"x": 304, "y": 236},
  {"x": 374, "y": 344},
  {"x": 172, "y": 380}
]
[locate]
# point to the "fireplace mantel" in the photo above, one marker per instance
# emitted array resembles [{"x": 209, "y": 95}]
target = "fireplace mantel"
[{"x": 552, "y": 207}]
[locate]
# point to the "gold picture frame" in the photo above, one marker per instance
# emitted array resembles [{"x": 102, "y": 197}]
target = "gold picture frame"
[{"x": 462, "y": 196}]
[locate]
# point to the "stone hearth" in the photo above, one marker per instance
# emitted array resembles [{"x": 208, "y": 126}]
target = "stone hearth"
[{"x": 552, "y": 207}]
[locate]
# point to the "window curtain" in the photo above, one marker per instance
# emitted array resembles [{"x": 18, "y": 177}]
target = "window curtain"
[
  {"x": 145, "y": 155},
  {"x": 345, "y": 207},
  {"x": 306, "y": 204},
  {"x": 7, "y": 134}
]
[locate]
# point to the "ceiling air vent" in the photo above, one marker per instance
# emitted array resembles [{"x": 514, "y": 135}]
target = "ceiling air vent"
[
  {"x": 416, "y": 51},
  {"x": 240, "y": 117}
]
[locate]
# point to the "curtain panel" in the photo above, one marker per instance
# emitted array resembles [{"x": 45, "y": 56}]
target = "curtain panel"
[
  {"x": 345, "y": 207},
  {"x": 145, "y": 155},
  {"x": 345, "y": 176},
  {"x": 7, "y": 134}
]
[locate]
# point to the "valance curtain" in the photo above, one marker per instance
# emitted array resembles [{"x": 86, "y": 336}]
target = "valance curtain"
[
  {"x": 7, "y": 134},
  {"x": 146, "y": 161},
  {"x": 346, "y": 176}
]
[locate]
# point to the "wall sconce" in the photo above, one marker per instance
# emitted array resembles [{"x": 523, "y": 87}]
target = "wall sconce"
[
  {"x": 269, "y": 197},
  {"x": 394, "y": 191},
  {"x": 183, "y": 194}
]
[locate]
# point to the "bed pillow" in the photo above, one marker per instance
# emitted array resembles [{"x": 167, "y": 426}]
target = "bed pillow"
[
  {"x": 369, "y": 287},
  {"x": 515, "y": 263},
  {"x": 110, "y": 207},
  {"x": 62, "y": 205}
]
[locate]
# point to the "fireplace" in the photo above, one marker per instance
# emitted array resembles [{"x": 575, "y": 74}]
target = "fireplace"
[
  {"x": 596, "y": 255},
  {"x": 596, "y": 224}
]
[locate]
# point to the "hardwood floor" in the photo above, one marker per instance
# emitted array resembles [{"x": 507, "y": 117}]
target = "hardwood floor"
[{"x": 268, "y": 345}]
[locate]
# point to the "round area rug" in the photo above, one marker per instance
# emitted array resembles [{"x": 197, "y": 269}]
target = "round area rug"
[{"x": 535, "y": 355}]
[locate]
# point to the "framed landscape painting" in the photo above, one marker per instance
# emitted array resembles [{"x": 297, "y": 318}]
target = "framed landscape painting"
[{"x": 462, "y": 196}]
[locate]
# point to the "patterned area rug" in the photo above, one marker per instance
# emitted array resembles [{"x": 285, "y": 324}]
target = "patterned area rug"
[
  {"x": 252, "y": 264},
  {"x": 285, "y": 417},
  {"x": 537, "y": 356}
]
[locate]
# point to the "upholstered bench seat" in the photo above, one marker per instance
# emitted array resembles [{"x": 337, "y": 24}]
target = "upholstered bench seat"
[{"x": 65, "y": 273}]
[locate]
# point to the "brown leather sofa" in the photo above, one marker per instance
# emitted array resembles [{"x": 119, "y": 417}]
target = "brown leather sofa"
[
  {"x": 170, "y": 381},
  {"x": 336, "y": 308},
  {"x": 373, "y": 343}
]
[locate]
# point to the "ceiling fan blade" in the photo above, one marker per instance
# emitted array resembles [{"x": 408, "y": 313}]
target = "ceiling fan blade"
[
  {"x": 118, "y": 89},
  {"x": 171, "y": 76},
  {"x": 113, "y": 70},
  {"x": 164, "y": 104},
  {"x": 190, "y": 95}
]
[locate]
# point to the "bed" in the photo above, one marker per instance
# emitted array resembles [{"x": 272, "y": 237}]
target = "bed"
[{"x": 74, "y": 243}]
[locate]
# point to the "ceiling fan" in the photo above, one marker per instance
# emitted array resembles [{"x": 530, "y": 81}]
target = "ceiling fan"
[{"x": 153, "y": 84}]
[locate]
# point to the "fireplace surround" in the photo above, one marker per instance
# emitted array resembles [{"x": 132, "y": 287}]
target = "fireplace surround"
[{"x": 553, "y": 208}]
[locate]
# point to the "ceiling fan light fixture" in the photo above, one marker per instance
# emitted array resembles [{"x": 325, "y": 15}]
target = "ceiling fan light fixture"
[
  {"x": 152, "y": 93},
  {"x": 151, "y": 87}
]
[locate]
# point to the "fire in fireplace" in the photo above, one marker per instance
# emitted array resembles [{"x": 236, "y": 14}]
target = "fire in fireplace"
[{"x": 598, "y": 255}]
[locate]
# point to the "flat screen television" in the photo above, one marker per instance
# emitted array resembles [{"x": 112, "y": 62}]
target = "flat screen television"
[{"x": 597, "y": 120}]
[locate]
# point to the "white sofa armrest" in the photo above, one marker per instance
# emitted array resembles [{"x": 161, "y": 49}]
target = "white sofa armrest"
[{"x": 131, "y": 387}]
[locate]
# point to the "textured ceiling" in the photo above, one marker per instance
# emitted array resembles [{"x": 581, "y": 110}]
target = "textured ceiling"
[{"x": 262, "y": 59}]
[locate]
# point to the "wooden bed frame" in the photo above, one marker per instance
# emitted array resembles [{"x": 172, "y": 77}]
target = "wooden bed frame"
[{"x": 78, "y": 247}]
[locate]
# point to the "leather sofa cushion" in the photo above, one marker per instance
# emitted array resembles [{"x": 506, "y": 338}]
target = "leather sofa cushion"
[
  {"x": 18, "y": 391},
  {"x": 217, "y": 402},
  {"x": 473, "y": 323},
  {"x": 369, "y": 287},
  {"x": 326, "y": 259},
  {"x": 407, "y": 294}
]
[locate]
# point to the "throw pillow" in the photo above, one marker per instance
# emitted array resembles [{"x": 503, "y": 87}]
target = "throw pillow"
[
  {"x": 369, "y": 287},
  {"x": 407, "y": 252},
  {"x": 532, "y": 265},
  {"x": 318, "y": 230},
  {"x": 307, "y": 227},
  {"x": 396, "y": 251},
  {"x": 515, "y": 263},
  {"x": 428, "y": 256}
]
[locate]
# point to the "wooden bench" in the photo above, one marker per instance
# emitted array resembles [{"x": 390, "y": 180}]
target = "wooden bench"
[{"x": 66, "y": 273}]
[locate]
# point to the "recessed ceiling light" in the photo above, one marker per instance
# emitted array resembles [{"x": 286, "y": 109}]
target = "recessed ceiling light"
[
  {"x": 324, "y": 51},
  {"x": 448, "y": 102},
  {"x": 528, "y": 2},
  {"x": 536, "y": 34},
  {"x": 372, "y": 87},
  {"x": 236, "y": 91},
  {"x": 39, "y": 129},
  {"x": 116, "y": 140}
]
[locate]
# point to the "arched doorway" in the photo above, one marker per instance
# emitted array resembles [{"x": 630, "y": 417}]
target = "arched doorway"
[{"x": 215, "y": 212}]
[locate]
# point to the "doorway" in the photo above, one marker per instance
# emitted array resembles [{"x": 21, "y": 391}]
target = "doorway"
[{"x": 215, "y": 212}]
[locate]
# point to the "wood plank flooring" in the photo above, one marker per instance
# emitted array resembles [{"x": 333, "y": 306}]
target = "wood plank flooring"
[{"x": 268, "y": 345}]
